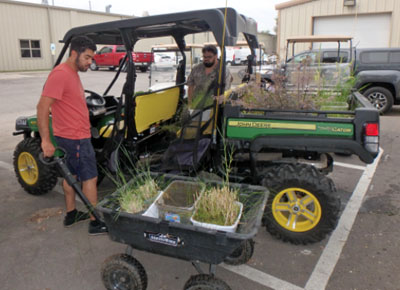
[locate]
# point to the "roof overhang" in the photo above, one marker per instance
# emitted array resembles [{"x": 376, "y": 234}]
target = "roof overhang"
[{"x": 289, "y": 4}]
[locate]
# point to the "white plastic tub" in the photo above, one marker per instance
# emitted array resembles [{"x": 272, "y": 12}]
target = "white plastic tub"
[{"x": 230, "y": 229}]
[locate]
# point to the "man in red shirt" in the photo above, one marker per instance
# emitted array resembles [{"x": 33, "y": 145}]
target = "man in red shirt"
[{"x": 64, "y": 95}]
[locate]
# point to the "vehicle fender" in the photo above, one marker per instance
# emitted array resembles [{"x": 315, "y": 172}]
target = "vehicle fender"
[
  {"x": 316, "y": 144},
  {"x": 390, "y": 77}
]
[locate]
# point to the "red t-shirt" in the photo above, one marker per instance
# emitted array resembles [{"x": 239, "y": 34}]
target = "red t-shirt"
[{"x": 70, "y": 114}]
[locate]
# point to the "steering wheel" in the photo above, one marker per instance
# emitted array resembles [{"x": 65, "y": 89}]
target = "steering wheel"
[{"x": 94, "y": 99}]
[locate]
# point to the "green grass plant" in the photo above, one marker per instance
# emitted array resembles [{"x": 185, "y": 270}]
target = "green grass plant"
[
  {"x": 135, "y": 186},
  {"x": 138, "y": 194},
  {"x": 218, "y": 205}
]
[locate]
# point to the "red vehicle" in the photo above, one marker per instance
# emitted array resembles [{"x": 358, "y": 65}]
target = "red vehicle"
[{"x": 111, "y": 56}]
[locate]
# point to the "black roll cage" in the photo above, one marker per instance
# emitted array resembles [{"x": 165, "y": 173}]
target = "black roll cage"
[{"x": 128, "y": 31}]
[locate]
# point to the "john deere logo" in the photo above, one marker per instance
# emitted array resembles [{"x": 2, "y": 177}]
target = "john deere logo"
[{"x": 271, "y": 125}]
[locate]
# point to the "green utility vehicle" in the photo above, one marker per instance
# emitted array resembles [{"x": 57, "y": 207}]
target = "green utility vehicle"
[{"x": 288, "y": 151}]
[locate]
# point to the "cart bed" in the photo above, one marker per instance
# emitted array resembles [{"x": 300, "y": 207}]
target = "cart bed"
[{"x": 184, "y": 241}]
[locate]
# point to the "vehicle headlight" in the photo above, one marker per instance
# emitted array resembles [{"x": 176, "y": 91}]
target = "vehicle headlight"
[{"x": 21, "y": 123}]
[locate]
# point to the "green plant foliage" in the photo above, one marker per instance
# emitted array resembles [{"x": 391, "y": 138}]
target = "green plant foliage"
[
  {"x": 305, "y": 86},
  {"x": 134, "y": 183},
  {"x": 218, "y": 205},
  {"x": 138, "y": 194}
]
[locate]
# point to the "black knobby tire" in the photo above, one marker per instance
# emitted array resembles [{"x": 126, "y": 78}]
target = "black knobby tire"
[
  {"x": 242, "y": 254},
  {"x": 34, "y": 176},
  {"x": 205, "y": 282},
  {"x": 380, "y": 97},
  {"x": 143, "y": 69},
  {"x": 123, "y": 272},
  {"x": 303, "y": 206}
]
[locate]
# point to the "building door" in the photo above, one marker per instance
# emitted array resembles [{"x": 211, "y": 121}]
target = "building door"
[{"x": 371, "y": 30}]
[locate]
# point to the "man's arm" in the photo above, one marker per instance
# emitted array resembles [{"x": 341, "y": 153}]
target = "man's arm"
[
  {"x": 228, "y": 79},
  {"x": 190, "y": 95},
  {"x": 43, "y": 110}
]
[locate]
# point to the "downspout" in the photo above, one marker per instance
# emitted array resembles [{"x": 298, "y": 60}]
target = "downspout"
[{"x": 53, "y": 57}]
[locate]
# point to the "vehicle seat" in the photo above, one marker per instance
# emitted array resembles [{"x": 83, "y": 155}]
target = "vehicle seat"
[
  {"x": 155, "y": 107},
  {"x": 188, "y": 152}
]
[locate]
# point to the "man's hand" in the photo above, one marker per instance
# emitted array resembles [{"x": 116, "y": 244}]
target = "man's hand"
[
  {"x": 220, "y": 99},
  {"x": 48, "y": 148}
]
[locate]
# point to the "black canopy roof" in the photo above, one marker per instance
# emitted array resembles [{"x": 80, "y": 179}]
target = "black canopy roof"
[{"x": 175, "y": 24}]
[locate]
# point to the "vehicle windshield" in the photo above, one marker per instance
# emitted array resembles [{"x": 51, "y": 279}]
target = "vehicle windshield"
[{"x": 164, "y": 68}]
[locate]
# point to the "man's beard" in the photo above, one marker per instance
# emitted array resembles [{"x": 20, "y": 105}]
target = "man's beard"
[
  {"x": 80, "y": 67},
  {"x": 208, "y": 64}
]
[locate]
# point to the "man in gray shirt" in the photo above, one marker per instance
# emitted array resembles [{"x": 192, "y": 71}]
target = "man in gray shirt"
[{"x": 201, "y": 78}]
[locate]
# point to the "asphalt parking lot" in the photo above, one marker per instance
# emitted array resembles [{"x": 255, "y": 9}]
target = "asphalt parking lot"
[{"x": 38, "y": 253}]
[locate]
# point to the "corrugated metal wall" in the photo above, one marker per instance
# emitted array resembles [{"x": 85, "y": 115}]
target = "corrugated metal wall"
[
  {"x": 269, "y": 42},
  {"x": 298, "y": 19}
]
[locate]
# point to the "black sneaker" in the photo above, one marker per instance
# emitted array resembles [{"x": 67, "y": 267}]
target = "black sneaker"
[
  {"x": 74, "y": 217},
  {"x": 97, "y": 228}
]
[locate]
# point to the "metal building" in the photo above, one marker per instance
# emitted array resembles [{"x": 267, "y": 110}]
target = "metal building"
[{"x": 372, "y": 23}]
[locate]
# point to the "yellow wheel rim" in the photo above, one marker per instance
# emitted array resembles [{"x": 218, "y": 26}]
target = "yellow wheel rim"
[
  {"x": 296, "y": 209},
  {"x": 28, "y": 168}
]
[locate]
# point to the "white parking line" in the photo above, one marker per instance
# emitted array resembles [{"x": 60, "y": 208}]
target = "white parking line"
[
  {"x": 330, "y": 256},
  {"x": 347, "y": 165},
  {"x": 326, "y": 264},
  {"x": 261, "y": 277},
  {"x": 6, "y": 165}
]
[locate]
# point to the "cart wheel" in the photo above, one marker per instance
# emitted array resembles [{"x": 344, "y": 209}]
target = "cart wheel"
[
  {"x": 242, "y": 254},
  {"x": 123, "y": 272},
  {"x": 302, "y": 207},
  {"x": 205, "y": 282}
]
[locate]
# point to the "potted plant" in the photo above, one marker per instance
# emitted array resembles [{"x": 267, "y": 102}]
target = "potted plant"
[
  {"x": 218, "y": 208},
  {"x": 138, "y": 194}
]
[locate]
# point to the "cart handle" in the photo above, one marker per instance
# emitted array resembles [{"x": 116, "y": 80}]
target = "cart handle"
[
  {"x": 53, "y": 159},
  {"x": 59, "y": 161}
]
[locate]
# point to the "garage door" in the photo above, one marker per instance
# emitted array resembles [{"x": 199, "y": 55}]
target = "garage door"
[{"x": 367, "y": 30}]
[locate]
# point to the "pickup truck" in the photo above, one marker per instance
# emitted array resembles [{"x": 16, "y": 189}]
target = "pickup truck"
[
  {"x": 377, "y": 71},
  {"x": 111, "y": 56}
]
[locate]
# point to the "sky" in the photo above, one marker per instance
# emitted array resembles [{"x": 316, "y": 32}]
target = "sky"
[{"x": 263, "y": 11}]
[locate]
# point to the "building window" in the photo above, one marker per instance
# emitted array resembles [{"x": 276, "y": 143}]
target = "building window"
[{"x": 30, "y": 48}]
